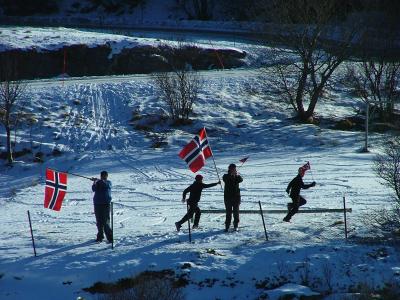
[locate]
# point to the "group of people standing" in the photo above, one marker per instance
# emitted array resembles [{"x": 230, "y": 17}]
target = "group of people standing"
[
  {"x": 231, "y": 198},
  {"x": 102, "y": 199}
]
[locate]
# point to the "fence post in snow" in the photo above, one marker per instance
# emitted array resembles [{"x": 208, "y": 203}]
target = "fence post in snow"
[
  {"x": 190, "y": 234},
  {"x": 345, "y": 217},
  {"x": 33, "y": 240},
  {"x": 262, "y": 216},
  {"x": 112, "y": 225}
]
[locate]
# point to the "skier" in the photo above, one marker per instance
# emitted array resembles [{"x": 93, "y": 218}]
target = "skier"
[
  {"x": 195, "y": 190},
  {"x": 293, "y": 189},
  {"x": 232, "y": 196},
  {"x": 101, "y": 200}
]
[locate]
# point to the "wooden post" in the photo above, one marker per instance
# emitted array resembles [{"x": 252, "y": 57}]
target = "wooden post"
[
  {"x": 345, "y": 217},
  {"x": 366, "y": 126},
  {"x": 112, "y": 225},
  {"x": 33, "y": 240},
  {"x": 190, "y": 234},
  {"x": 262, "y": 216}
]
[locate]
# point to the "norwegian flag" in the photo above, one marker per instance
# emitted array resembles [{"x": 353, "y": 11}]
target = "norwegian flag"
[
  {"x": 243, "y": 160},
  {"x": 306, "y": 166},
  {"x": 197, "y": 151},
  {"x": 56, "y": 188}
]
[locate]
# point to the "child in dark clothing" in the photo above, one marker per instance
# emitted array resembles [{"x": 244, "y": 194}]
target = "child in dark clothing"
[
  {"x": 195, "y": 190},
  {"x": 293, "y": 189}
]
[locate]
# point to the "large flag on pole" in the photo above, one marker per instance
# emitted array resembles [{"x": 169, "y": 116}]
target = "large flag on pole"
[
  {"x": 196, "y": 151},
  {"x": 56, "y": 188}
]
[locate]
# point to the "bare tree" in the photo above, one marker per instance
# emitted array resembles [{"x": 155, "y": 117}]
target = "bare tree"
[
  {"x": 11, "y": 92},
  {"x": 387, "y": 167},
  {"x": 314, "y": 54},
  {"x": 376, "y": 82}
]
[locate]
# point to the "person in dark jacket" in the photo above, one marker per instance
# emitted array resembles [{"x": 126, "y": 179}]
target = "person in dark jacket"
[
  {"x": 195, "y": 190},
  {"x": 101, "y": 201},
  {"x": 232, "y": 196},
  {"x": 293, "y": 189}
]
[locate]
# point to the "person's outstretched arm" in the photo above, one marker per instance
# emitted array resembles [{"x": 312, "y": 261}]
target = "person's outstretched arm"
[{"x": 210, "y": 184}]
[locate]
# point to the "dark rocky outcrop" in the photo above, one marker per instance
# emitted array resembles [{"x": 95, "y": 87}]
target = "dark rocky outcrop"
[{"x": 84, "y": 61}]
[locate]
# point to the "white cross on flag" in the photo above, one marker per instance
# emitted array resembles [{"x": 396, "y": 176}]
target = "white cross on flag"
[
  {"x": 56, "y": 188},
  {"x": 196, "y": 151}
]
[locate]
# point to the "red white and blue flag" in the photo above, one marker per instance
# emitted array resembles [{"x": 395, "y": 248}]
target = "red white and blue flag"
[
  {"x": 244, "y": 159},
  {"x": 56, "y": 188},
  {"x": 305, "y": 167},
  {"x": 196, "y": 151}
]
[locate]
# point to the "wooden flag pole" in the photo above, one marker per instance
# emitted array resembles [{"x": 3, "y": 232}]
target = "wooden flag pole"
[
  {"x": 33, "y": 240},
  {"x": 215, "y": 165},
  {"x": 71, "y": 174}
]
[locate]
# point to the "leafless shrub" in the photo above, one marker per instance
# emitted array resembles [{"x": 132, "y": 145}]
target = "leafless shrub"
[
  {"x": 305, "y": 272},
  {"x": 387, "y": 167},
  {"x": 282, "y": 268},
  {"x": 149, "y": 289},
  {"x": 327, "y": 273},
  {"x": 391, "y": 291},
  {"x": 179, "y": 90}
]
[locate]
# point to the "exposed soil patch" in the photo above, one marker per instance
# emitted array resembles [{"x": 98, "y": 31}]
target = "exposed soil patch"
[{"x": 80, "y": 60}]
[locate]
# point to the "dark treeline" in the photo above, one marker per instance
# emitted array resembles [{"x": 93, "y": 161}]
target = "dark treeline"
[{"x": 239, "y": 10}]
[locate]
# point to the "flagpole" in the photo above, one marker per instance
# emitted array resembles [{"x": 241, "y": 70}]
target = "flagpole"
[
  {"x": 71, "y": 174},
  {"x": 243, "y": 161},
  {"x": 312, "y": 175},
  {"x": 215, "y": 165}
]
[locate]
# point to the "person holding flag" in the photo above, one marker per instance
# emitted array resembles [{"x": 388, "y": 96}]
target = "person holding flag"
[
  {"x": 293, "y": 189},
  {"x": 232, "y": 196},
  {"x": 195, "y": 190},
  {"x": 101, "y": 201}
]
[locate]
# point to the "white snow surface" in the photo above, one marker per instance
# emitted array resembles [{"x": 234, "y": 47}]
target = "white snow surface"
[
  {"x": 97, "y": 134},
  {"x": 55, "y": 38}
]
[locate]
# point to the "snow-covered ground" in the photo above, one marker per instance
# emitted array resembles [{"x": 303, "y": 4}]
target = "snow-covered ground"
[
  {"x": 97, "y": 134},
  {"x": 54, "y": 38}
]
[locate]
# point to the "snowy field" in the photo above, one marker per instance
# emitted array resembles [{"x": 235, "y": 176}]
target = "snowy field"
[{"x": 97, "y": 134}]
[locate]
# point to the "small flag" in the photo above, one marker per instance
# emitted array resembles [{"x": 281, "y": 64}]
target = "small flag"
[
  {"x": 196, "y": 151},
  {"x": 304, "y": 168},
  {"x": 243, "y": 160},
  {"x": 56, "y": 188}
]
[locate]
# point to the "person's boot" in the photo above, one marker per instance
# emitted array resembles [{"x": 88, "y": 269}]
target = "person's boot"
[
  {"x": 99, "y": 237},
  {"x": 178, "y": 226}
]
